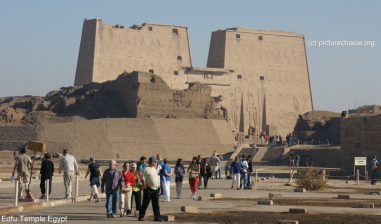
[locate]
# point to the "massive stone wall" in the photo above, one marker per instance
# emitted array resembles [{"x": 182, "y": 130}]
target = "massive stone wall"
[
  {"x": 128, "y": 137},
  {"x": 360, "y": 137},
  {"x": 265, "y": 69},
  {"x": 138, "y": 94},
  {"x": 270, "y": 72},
  {"x": 108, "y": 50}
]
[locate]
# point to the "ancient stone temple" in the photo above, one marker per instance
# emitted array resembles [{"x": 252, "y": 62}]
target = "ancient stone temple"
[{"x": 266, "y": 71}]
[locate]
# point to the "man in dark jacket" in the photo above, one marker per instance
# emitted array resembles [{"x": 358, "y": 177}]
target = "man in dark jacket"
[
  {"x": 114, "y": 181},
  {"x": 46, "y": 173}
]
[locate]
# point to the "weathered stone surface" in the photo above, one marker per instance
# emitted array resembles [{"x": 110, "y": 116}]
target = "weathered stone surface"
[
  {"x": 344, "y": 196},
  {"x": 297, "y": 210},
  {"x": 367, "y": 205},
  {"x": 266, "y": 202},
  {"x": 216, "y": 195},
  {"x": 224, "y": 72},
  {"x": 168, "y": 218},
  {"x": 275, "y": 196},
  {"x": 190, "y": 209}
]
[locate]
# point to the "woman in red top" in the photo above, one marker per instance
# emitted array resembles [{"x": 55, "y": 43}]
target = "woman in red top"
[{"x": 125, "y": 194}]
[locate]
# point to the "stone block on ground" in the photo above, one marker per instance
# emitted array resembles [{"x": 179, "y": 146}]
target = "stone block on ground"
[
  {"x": 367, "y": 205},
  {"x": 375, "y": 193},
  {"x": 302, "y": 190},
  {"x": 297, "y": 210},
  {"x": 216, "y": 195},
  {"x": 344, "y": 196},
  {"x": 265, "y": 202},
  {"x": 287, "y": 222},
  {"x": 275, "y": 196},
  {"x": 190, "y": 209},
  {"x": 168, "y": 218}
]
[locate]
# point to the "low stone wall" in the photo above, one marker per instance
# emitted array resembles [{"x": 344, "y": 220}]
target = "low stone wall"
[{"x": 127, "y": 137}]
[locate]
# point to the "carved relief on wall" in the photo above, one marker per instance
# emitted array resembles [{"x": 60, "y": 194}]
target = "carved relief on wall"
[
  {"x": 295, "y": 104},
  {"x": 250, "y": 107},
  {"x": 234, "y": 108}
]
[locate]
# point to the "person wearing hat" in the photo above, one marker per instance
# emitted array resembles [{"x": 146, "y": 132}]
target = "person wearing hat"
[
  {"x": 136, "y": 188},
  {"x": 151, "y": 191},
  {"x": 95, "y": 174},
  {"x": 70, "y": 167}
]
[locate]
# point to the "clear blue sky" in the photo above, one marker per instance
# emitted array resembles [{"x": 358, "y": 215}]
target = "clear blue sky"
[{"x": 39, "y": 40}]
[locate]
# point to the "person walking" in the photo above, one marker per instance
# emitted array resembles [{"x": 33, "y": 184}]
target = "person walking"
[
  {"x": 126, "y": 192},
  {"x": 166, "y": 174},
  {"x": 22, "y": 165},
  {"x": 46, "y": 173},
  {"x": 69, "y": 164},
  {"x": 206, "y": 172},
  {"x": 219, "y": 174},
  {"x": 179, "y": 172},
  {"x": 213, "y": 163},
  {"x": 95, "y": 174},
  {"x": 136, "y": 187},
  {"x": 200, "y": 162},
  {"x": 194, "y": 171},
  {"x": 151, "y": 192},
  {"x": 235, "y": 170},
  {"x": 113, "y": 180},
  {"x": 159, "y": 166}
]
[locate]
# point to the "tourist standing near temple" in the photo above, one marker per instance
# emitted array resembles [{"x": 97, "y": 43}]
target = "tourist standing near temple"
[
  {"x": 373, "y": 170},
  {"x": 22, "y": 165},
  {"x": 46, "y": 173},
  {"x": 194, "y": 172},
  {"x": 113, "y": 179},
  {"x": 95, "y": 178},
  {"x": 126, "y": 192},
  {"x": 179, "y": 171},
  {"x": 70, "y": 167},
  {"x": 206, "y": 172},
  {"x": 166, "y": 174},
  {"x": 235, "y": 171},
  {"x": 136, "y": 188},
  {"x": 151, "y": 192}
]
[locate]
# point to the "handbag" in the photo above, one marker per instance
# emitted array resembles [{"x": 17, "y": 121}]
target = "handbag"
[
  {"x": 126, "y": 189},
  {"x": 192, "y": 175}
]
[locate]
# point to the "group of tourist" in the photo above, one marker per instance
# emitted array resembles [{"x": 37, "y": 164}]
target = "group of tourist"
[
  {"x": 127, "y": 186},
  {"x": 294, "y": 159},
  {"x": 240, "y": 172}
]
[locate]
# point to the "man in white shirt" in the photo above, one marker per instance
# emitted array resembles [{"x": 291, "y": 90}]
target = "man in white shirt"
[
  {"x": 151, "y": 191},
  {"x": 70, "y": 167}
]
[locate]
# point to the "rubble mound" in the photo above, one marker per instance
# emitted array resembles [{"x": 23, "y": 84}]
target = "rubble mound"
[
  {"x": 138, "y": 94},
  {"x": 318, "y": 120}
]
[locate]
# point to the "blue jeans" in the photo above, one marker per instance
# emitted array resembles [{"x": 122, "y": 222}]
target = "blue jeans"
[
  {"x": 111, "y": 200},
  {"x": 244, "y": 179}
]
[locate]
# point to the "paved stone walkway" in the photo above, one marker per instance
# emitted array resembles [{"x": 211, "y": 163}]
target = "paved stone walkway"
[{"x": 86, "y": 212}]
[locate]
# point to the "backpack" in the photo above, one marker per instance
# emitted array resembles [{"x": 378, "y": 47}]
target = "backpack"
[{"x": 297, "y": 157}]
